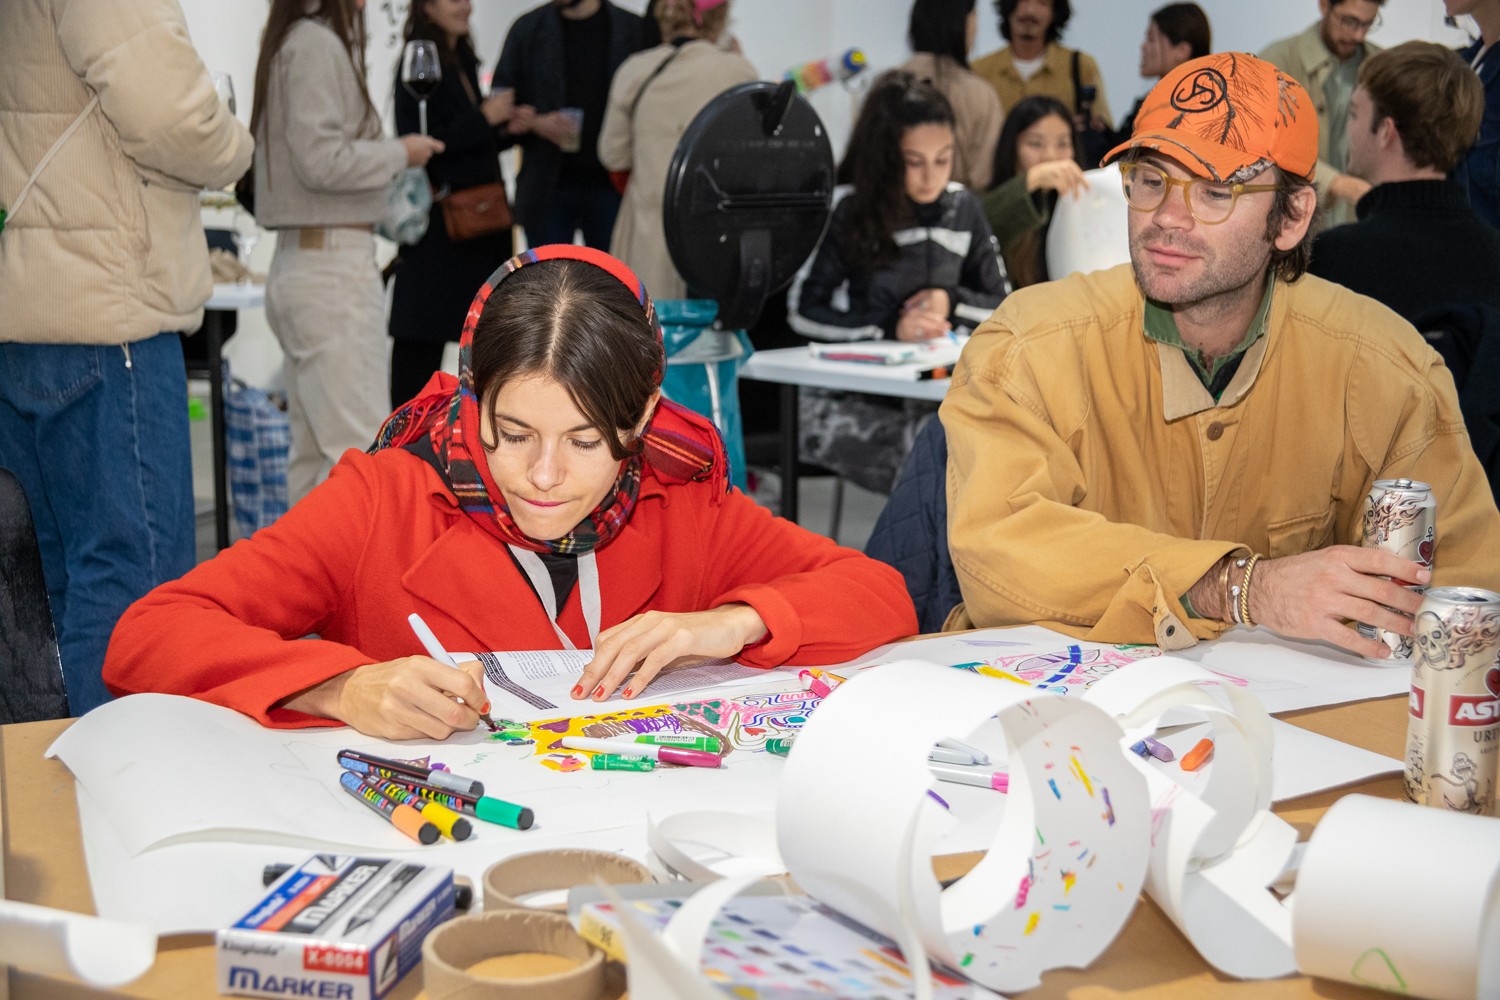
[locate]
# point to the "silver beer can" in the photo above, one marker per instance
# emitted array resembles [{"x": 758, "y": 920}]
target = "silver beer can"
[
  {"x": 1400, "y": 517},
  {"x": 1453, "y": 716}
]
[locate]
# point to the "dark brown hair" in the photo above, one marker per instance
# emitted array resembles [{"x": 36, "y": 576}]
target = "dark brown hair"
[
  {"x": 575, "y": 323},
  {"x": 1435, "y": 100},
  {"x": 675, "y": 20},
  {"x": 1185, "y": 22},
  {"x": 419, "y": 26},
  {"x": 874, "y": 165},
  {"x": 941, "y": 28},
  {"x": 1062, "y": 11},
  {"x": 344, "y": 18},
  {"x": 1289, "y": 265}
]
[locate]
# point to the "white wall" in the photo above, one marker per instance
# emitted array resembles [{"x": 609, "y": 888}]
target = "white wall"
[{"x": 777, "y": 35}]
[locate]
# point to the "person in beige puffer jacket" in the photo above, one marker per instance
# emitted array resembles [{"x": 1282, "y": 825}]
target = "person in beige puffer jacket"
[{"x": 103, "y": 263}]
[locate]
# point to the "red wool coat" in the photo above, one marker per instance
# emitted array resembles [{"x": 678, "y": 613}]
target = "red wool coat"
[{"x": 383, "y": 537}]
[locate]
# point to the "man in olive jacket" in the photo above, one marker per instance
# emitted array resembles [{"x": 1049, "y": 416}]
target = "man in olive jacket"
[{"x": 103, "y": 263}]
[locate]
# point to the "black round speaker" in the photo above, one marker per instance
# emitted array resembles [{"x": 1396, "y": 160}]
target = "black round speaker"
[{"x": 747, "y": 196}]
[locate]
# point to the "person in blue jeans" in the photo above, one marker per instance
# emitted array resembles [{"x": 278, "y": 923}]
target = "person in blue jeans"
[{"x": 102, "y": 261}]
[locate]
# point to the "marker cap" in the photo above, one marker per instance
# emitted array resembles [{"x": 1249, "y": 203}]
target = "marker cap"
[
  {"x": 504, "y": 813},
  {"x": 451, "y": 824},
  {"x": 693, "y": 758},
  {"x": 410, "y": 822}
]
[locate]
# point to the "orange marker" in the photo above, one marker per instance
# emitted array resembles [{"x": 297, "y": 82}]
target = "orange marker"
[
  {"x": 1198, "y": 756},
  {"x": 402, "y": 817}
]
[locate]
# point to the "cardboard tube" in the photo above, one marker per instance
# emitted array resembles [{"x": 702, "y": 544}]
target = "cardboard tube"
[
  {"x": 538, "y": 871},
  {"x": 450, "y": 950}
]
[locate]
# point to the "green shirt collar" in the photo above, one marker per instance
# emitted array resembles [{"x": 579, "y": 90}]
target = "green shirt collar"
[{"x": 1161, "y": 326}]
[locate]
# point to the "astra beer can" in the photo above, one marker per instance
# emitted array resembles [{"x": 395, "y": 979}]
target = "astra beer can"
[
  {"x": 1453, "y": 717},
  {"x": 1400, "y": 517}
]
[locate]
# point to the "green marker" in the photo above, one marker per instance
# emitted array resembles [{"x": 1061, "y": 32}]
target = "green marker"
[
  {"x": 782, "y": 746},
  {"x": 621, "y": 762},
  {"x": 708, "y": 744}
]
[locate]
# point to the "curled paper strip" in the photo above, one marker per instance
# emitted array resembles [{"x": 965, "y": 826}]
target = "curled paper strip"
[
  {"x": 1066, "y": 864},
  {"x": 1214, "y": 853},
  {"x": 746, "y": 845},
  {"x": 53, "y": 942},
  {"x": 1402, "y": 898}
]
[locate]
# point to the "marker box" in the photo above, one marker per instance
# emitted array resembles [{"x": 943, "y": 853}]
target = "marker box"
[{"x": 337, "y": 927}]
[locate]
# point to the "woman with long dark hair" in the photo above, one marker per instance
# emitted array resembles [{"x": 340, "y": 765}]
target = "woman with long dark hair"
[
  {"x": 322, "y": 168},
  {"x": 907, "y": 256},
  {"x": 547, "y": 498},
  {"x": 941, "y": 33},
  {"x": 436, "y": 277},
  {"x": 1034, "y": 165}
]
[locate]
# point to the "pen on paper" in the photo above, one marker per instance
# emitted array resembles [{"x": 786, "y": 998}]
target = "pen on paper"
[{"x": 437, "y": 652}]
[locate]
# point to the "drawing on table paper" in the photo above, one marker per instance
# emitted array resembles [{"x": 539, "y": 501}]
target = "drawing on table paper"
[
  {"x": 744, "y": 725},
  {"x": 1063, "y": 671}
]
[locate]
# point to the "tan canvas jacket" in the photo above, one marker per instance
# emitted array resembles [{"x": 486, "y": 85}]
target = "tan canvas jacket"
[
  {"x": 1092, "y": 479},
  {"x": 108, "y": 247},
  {"x": 1054, "y": 79}
]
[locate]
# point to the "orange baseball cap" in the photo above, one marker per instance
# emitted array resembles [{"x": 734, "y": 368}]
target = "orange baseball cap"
[{"x": 1226, "y": 117}]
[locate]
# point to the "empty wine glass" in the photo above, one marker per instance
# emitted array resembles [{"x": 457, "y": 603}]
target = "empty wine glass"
[
  {"x": 224, "y": 87},
  {"x": 420, "y": 73}
]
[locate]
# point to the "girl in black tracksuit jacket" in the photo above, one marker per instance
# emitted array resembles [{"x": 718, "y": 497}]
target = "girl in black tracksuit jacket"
[{"x": 907, "y": 256}]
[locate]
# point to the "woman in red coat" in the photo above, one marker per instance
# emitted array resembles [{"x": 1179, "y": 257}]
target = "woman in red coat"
[{"x": 550, "y": 475}]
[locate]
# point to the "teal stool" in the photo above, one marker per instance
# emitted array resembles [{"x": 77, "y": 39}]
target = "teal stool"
[{"x": 703, "y": 366}]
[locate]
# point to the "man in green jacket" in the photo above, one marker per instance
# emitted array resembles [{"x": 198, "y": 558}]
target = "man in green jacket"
[{"x": 1325, "y": 59}]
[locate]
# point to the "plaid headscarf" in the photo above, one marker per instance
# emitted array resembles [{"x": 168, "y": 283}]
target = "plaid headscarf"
[{"x": 678, "y": 446}]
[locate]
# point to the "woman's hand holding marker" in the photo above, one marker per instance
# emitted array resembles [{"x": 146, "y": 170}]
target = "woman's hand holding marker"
[
  {"x": 648, "y": 642},
  {"x": 408, "y": 698}
]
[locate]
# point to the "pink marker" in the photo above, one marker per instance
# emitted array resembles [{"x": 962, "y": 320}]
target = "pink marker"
[
  {"x": 665, "y": 755},
  {"x": 816, "y": 685}
]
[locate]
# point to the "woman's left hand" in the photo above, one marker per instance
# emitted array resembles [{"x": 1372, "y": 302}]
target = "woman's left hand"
[{"x": 648, "y": 642}]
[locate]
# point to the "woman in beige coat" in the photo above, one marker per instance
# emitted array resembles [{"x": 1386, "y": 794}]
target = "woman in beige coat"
[
  {"x": 941, "y": 33},
  {"x": 654, "y": 96}
]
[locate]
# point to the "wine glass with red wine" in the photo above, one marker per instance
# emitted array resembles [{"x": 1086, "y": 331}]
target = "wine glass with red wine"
[{"x": 421, "y": 72}]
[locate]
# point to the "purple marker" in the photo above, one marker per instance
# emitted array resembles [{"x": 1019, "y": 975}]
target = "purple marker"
[{"x": 1159, "y": 750}]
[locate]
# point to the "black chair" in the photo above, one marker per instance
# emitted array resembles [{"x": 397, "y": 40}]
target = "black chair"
[{"x": 31, "y": 679}]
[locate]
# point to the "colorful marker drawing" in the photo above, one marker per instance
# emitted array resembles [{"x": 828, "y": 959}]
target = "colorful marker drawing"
[{"x": 1069, "y": 670}]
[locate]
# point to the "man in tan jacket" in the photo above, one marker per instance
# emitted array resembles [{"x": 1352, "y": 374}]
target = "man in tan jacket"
[
  {"x": 1156, "y": 452},
  {"x": 109, "y": 127}
]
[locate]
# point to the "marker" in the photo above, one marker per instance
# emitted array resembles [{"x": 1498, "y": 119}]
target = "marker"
[
  {"x": 977, "y": 755},
  {"x": 945, "y": 755},
  {"x": 664, "y": 755},
  {"x": 496, "y": 811},
  {"x": 708, "y": 744},
  {"x": 404, "y": 818},
  {"x": 437, "y": 652},
  {"x": 1159, "y": 750},
  {"x": 1198, "y": 756},
  {"x": 621, "y": 762},
  {"x": 449, "y": 823},
  {"x": 1139, "y": 747},
  {"x": 463, "y": 891},
  {"x": 633, "y": 744},
  {"x": 370, "y": 908},
  {"x": 364, "y": 763},
  {"x": 819, "y": 682},
  {"x": 781, "y": 745},
  {"x": 998, "y": 780}
]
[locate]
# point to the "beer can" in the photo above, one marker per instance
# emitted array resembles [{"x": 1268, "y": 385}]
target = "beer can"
[
  {"x": 1453, "y": 715},
  {"x": 1400, "y": 517}
]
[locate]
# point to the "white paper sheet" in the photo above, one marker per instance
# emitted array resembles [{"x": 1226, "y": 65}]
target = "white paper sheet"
[
  {"x": 55, "y": 942},
  {"x": 1403, "y": 898},
  {"x": 857, "y": 827},
  {"x": 534, "y": 685}
]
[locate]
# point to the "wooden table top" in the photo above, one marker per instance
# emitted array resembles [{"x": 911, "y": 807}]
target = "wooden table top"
[{"x": 44, "y": 863}]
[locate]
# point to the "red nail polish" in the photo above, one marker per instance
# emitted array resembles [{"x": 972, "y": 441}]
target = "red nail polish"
[
  {"x": 599, "y": 691},
  {"x": 629, "y": 692},
  {"x": 486, "y": 709},
  {"x": 578, "y": 690}
]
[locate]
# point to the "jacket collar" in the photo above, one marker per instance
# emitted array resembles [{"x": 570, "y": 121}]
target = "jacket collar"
[{"x": 630, "y": 572}]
